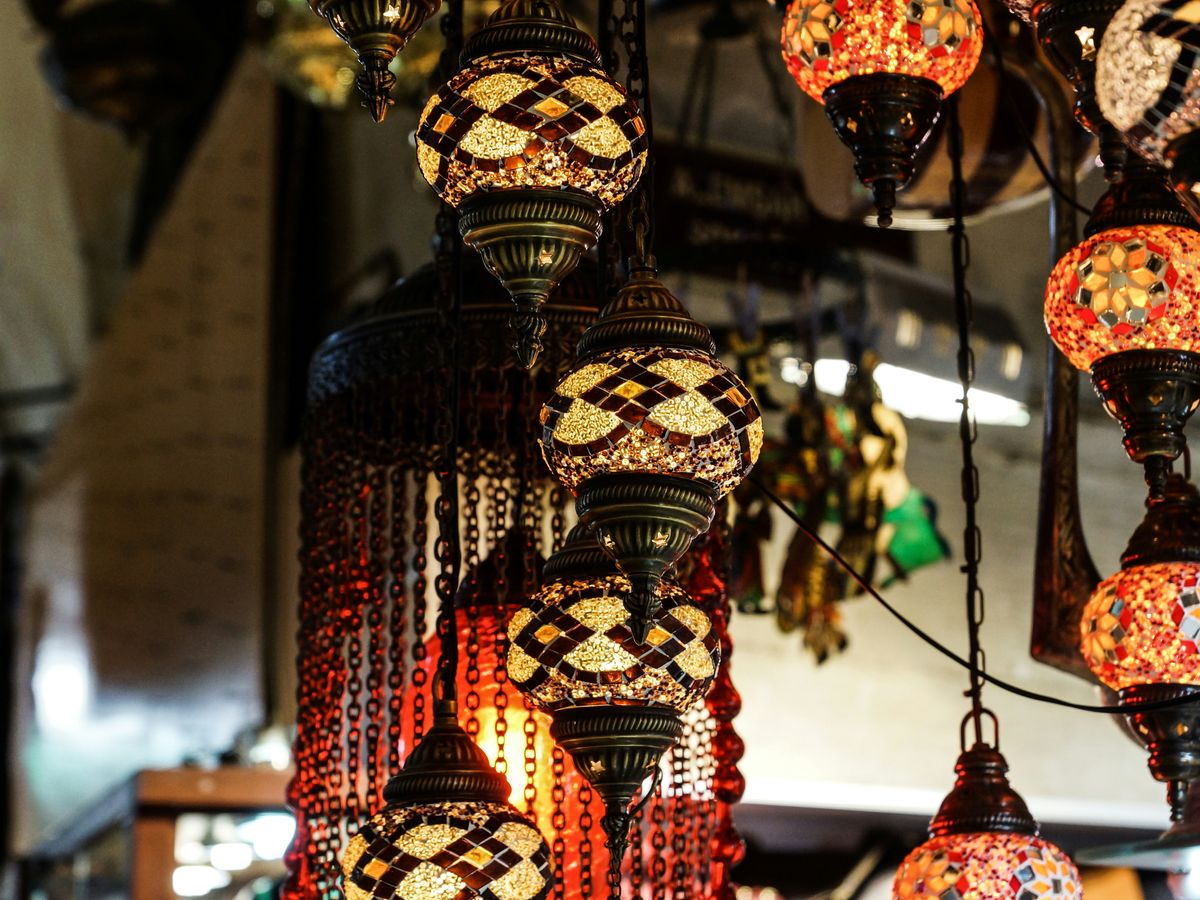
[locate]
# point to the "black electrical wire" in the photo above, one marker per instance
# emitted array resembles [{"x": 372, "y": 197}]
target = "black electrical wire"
[
  {"x": 1030, "y": 143},
  {"x": 941, "y": 648}
]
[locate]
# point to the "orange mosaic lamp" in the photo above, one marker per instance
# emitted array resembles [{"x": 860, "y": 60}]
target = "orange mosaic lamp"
[
  {"x": 648, "y": 431},
  {"x": 1125, "y": 305},
  {"x": 616, "y": 700},
  {"x": 531, "y": 141},
  {"x": 984, "y": 842},
  {"x": 882, "y": 68},
  {"x": 1140, "y": 635}
]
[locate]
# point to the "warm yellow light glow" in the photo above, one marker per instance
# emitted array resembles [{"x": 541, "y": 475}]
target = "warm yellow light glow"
[
  {"x": 1126, "y": 289},
  {"x": 534, "y": 121},
  {"x": 987, "y": 866},
  {"x": 827, "y": 41},
  {"x": 666, "y": 411},
  {"x": 1141, "y": 626},
  {"x": 600, "y": 661}
]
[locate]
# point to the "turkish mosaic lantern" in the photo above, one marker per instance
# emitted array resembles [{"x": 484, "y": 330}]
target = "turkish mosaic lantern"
[
  {"x": 617, "y": 703},
  {"x": 1140, "y": 630},
  {"x": 984, "y": 842},
  {"x": 1148, "y": 85},
  {"x": 1123, "y": 305},
  {"x": 448, "y": 830},
  {"x": 882, "y": 68},
  {"x": 649, "y": 430},
  {"x": 531, "y": 141},
  {"x": 1071, "y": 33},
  {"x": 366, "y": 656},
  {"x": 376, "y": 30}
]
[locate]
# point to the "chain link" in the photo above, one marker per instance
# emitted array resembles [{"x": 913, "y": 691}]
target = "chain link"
[{"x": 967, "y": 431}]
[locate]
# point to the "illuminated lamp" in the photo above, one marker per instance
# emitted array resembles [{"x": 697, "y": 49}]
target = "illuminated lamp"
[
  {"x": 616, "y": 702},
  {"x": 881, "y": 68},
  {"x": 531, "y": 141},
  {"x": 1123, "y": 305},
  {"x": 984, "y": 842},
  {"x": 376, "y": 30},
  {"x": 448, "y": 829},
  {"x": 1148, "y": 84},
  {"x": 1139, "y": 632},
  {"x": 648, "y": 431}
]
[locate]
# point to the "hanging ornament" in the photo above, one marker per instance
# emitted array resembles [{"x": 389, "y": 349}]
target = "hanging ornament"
[
  {"x": 616, "y": 701},
  {"x": 448, "y": 829},
  {"x": 984, "y": 843},
  {"x": 1071, "y": 33},
  {"x": 532, "y": 142},
  {"x": 1148, "y": 85},
  {"x": 1124, "y": 305},
  {"x": 376, "y": 30},
  {"x": 649, "y": 430},
  {"x": 1140, "y": 630},
  {"x": 882, "y": 68}
]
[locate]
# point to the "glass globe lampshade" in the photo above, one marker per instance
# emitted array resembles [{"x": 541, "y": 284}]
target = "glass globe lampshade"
[
  {"x": 616, "y": 702},
  {"x": 1139, "y": 634},
  {"x": 1124, "y": 305},
  {"x": 532, "y": 141},
  {"x": 649, "y": 430},
  {"x": 984, "y": 844},
  {"x": 882, "y": 67},
  {"x": 448, "y": 830},
  {"x": 376, "y": 30}
]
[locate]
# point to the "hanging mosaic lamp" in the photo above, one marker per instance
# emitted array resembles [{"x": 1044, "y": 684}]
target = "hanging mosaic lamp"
[
  {"x": 1070, "y": 33},
  {"x": 616, "y": 701},
  {"x": 648, "y": 431},
  {"x": 1139, "y": 635},
  {"x": 1148, "y": 85},
  {"x": 984, "y": 842},
  {"x": 376, "y": 30},
  {"x": 448, "y": 829},
  {"x": 881, "y": 68},
  {"x": 532, "y": 141},
  {"x": 1124, "y": 305}
]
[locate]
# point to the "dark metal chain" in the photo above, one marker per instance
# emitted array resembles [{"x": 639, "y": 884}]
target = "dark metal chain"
[
  {"x": 586, "y": 823},
  {"x": 558, "y": 821},
  {"x": 452, "y": 33},
  {"x": 447, "y": 549},
  {"x": 472, "y": 463},
  {"x": 967, "y": 431},
  {"x": 630, "y": 28},
  {"x": 420, "y": 565},
  {"x": 398, "y": 626}
]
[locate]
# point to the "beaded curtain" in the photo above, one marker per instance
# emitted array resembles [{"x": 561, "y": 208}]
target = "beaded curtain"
[{"x": 368, "y": 570}]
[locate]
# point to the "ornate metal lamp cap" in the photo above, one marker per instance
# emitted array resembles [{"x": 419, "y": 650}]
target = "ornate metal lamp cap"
[
  {"x": 982, "y": 798},
  {"x": 645, "y": 314},
  {"x": 531, "y": 26},
  {"x": 1143, "y": 196},
  {"x": 1170, "y": 531},
  {"x": 447, "y": 766},
  {"x": 581, "y": 556}
]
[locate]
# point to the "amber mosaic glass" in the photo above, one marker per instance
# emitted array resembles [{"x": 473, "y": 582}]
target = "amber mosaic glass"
[
  {"x": 448, "y": 851},
  {"x": 663, "y": 411},
  {"x": 572, "y": 645},
  {"x": 1141, "y": 626},
  {"x": 827, "y": 41},
  {"x": 531, "y": 122},
  {"x": 1147, "y": 82},
  {"x": 1126, "y": 289},
  {"x": 987, "y": 866}
]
